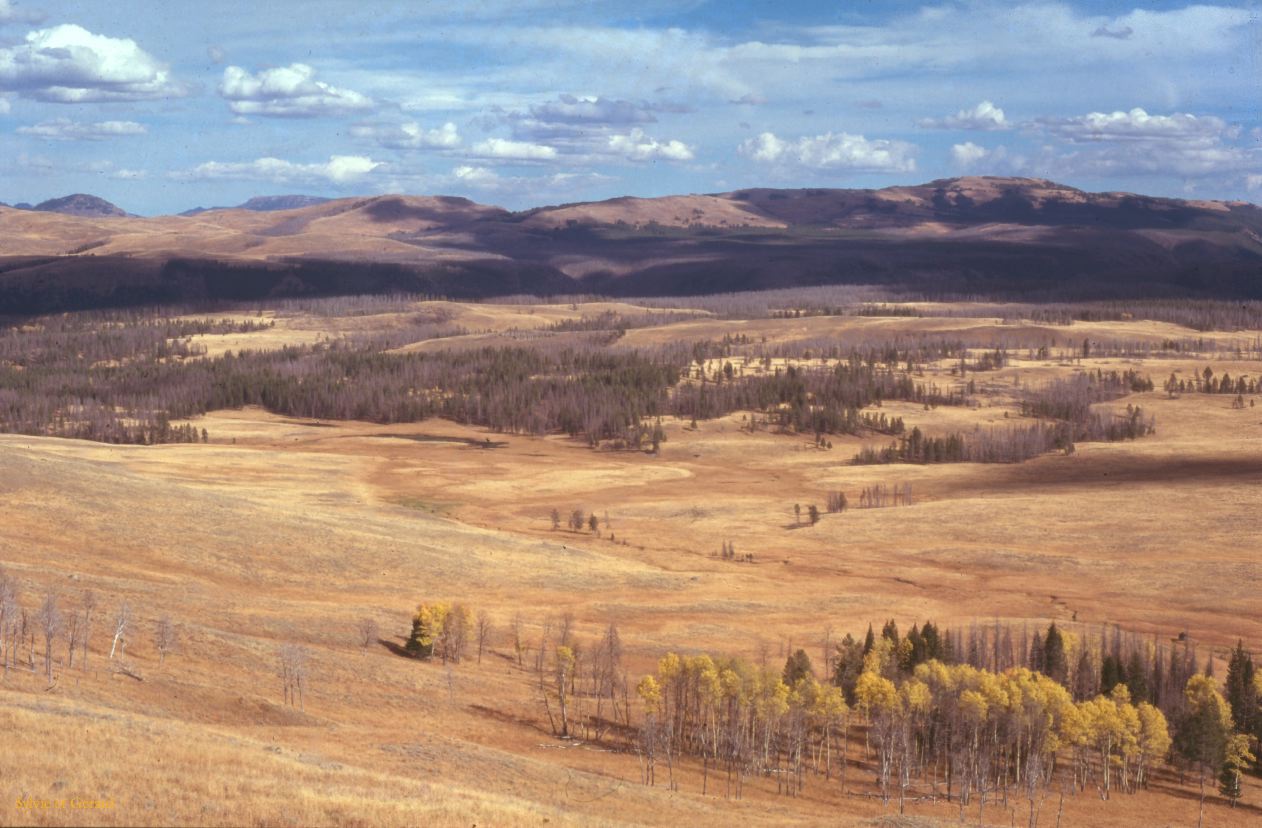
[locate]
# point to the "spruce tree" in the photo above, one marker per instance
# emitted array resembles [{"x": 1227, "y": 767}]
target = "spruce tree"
[{"x": 1055, "y": 664}]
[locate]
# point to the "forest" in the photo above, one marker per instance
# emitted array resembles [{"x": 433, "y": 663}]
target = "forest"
[
  {"x": 977, "y": 716},
  {"x": 129, "y": 376}
]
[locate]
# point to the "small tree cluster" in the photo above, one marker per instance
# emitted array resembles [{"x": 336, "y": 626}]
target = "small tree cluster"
[
  {"x": 879, "y": 496},
  {"x": 440, "y": 630}
]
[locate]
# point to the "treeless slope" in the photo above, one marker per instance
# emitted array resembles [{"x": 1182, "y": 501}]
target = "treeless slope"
[{"x": 667, "y": 211}]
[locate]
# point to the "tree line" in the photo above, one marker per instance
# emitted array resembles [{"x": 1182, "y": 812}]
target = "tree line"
[{"x": 939, "y": 717}]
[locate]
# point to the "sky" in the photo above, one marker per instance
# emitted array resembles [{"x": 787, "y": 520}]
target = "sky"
[{"x": 164, "y": 106}]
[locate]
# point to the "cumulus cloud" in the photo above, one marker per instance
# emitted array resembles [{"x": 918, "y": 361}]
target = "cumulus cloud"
[
  {"x": 474, "y": 177},
  {"x": 577, "y": 124},
  {"x": 504, "y": 149},
  {"x": 339, "y": 169},
  {"x": 1253, "y": 183},
  {"x": 636, "y": 146},
  {"x": 568, "y": 109},
  {"x": 64, "y": 129},
  {"x": 287, "y": 92},
  {"x": 1136, "y": 142},
  {"x": 839, "y": 151},
  {"x": 1135, "y": 125},
  {"x": 968, "y": 154},
  {"x": 410, "y": 135},
  {"x": 984, "y": 116},
  {"x": 69, "y": 64},
  {"x": 4, "y": 106}
]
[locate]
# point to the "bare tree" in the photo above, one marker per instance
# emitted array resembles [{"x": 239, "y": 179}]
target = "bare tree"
[
  {"x": 519, "y": 645},
  {"x": 50, "y": 621},
  {"x": 368, "y": 632},
  {"x": 293, "y": 673},
  {"x": 89, "y": 604},
  {"x": 9, "y": 621},
  {"x": 72, "y": 637},
  {"x": 484, "y": 631},
  {"x": 164, "y": 637},
  {"x": 556, "y": 520},
  {"x": 121, "y": 621}
]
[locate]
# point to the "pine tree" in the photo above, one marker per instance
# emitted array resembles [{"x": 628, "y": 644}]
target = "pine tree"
[
  {"x": 797, "y": 667},
  {"x": 1242, "y": 691},
  {"x": 1055, "y": 665}
]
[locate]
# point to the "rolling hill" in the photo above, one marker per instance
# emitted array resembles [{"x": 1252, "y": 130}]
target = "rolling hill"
[{"x": 998, "y": 236}]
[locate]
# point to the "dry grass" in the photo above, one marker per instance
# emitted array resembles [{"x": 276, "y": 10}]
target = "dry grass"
[{"x": 281, "y": 531}]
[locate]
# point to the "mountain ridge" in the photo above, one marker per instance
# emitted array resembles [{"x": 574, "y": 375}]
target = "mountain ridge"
[{"x": 968, "y": 234}]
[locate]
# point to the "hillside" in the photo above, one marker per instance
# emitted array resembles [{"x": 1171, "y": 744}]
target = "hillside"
[
  {"x": 999, "y": 236},
  {"x": 80, "y": 204}
]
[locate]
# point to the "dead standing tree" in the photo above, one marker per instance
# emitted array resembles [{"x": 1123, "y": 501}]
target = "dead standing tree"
[
  {"x": 50, "y": 620},
  {"x": 89, "y": 604},
  {"x": 121, "y": 621},
  {"x": 164, "y": 637},
  {"x": 293, "y": 673},
  {"x": 484, "y": 632},
  {"x": 368, "y": 633},
  {"x": 10, "y": 624}
]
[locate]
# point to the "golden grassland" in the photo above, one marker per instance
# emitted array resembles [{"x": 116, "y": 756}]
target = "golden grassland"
[{"x": 282, "y": 530}]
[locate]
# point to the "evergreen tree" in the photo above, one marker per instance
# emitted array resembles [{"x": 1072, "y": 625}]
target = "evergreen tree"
[
  {"x": 1137, "y": 677},
  {"x": 849, "y": 665},
  {"x": 1242, "y": 691},
  {"x": 1037, "y": 662},
  {"x": 1055, "y": 664},
  {"x": 890, "y": 631},
  {"x": 869, "y": 641},
  {"x": 797, "y": 667}
]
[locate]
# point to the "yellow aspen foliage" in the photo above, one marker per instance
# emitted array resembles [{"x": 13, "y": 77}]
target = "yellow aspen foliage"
[
  {"x": 650, "y": 693},
  {"x": 875, "y": 694}
]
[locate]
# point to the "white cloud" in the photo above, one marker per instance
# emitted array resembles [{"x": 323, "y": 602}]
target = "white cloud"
[
  {"x": 636, "y": 146},
  {"x": 128, "y": 175},
  {"x": 410, "y": 135},
  {"x": 4, "y": 106},
  {"x": 64, "y": 129},
  {"x": 469, "y": 176},
  {"x": 1135, "y": 142},
  {"x": 476, "y": 176},
  {"x": 840, "y": 151},
  {"x": 569, "y": 109},
  {"x": 514, "y": 150},
  {"x": 1135, "y": 125},
  {"x": 340, "y": 169},
  {"x": 968, "y": 154},
  {"x": 287, "y": 92},
  {"x": 1253, "y": 182},
  {"x": 984, "y": 116},
  {"x": 69, "y": 64}
]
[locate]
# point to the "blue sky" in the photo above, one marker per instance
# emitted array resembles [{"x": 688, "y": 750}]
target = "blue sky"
[{"x": 163, "y": 106}]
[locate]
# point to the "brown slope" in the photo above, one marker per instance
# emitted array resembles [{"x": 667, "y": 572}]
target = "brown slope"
[{"x": 964, "y": 234}]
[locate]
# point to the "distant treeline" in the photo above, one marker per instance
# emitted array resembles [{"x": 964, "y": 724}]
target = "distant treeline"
[
  {"x": 1066, "y": 402},
  {"x": 120, "y": 377}
]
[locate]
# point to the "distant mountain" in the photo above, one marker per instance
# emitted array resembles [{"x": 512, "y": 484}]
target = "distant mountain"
[
  {"x": 266, "y": 204},
  {"x": 1002, "y": 237},
  {"x": 80, "y": 204}
]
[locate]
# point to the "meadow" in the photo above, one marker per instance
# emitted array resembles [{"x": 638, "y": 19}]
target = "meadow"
[{"x": 676, "y": 431}]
